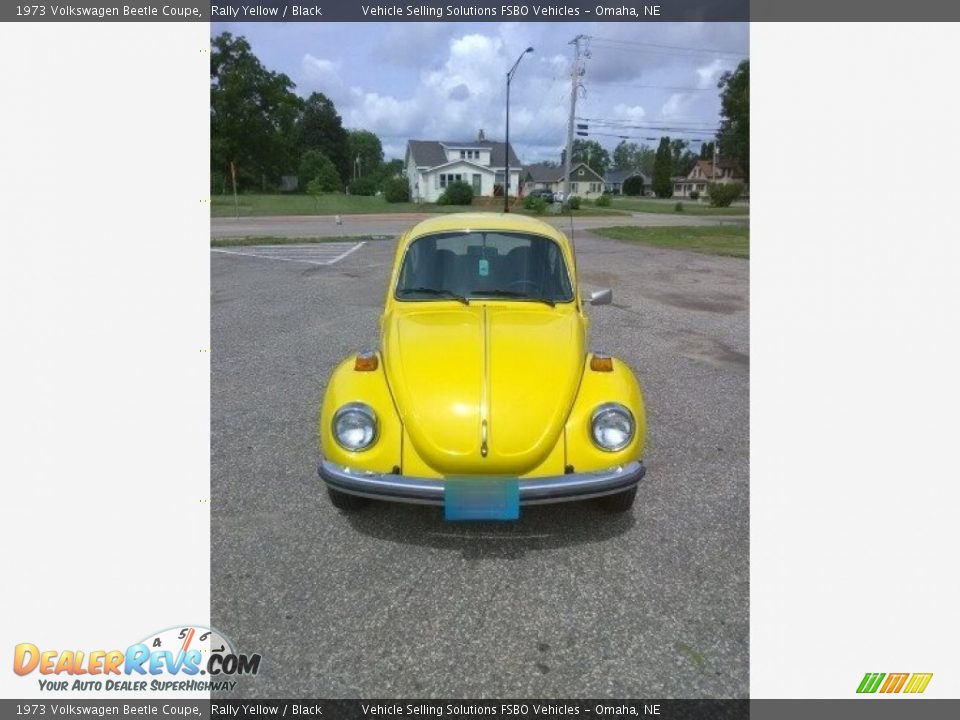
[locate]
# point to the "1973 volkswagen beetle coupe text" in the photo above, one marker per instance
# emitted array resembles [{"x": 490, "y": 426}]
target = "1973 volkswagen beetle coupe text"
[{"x": 483, "y": 396}]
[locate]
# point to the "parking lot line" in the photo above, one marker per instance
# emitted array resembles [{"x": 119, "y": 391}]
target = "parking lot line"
[{"x": 312, "y": 254}]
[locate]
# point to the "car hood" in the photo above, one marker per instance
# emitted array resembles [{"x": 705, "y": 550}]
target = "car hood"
[{"x": 504, "y": 372}]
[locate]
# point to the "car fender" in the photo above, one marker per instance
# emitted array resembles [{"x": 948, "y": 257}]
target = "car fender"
[
  {"x": 596, "y": 388},
  {"x": 370, "y": 387}
]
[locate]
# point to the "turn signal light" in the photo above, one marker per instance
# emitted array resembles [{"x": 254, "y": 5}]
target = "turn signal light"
[
  {"x": 601, "y": 363},
  {"x": 366, "y": 362}
]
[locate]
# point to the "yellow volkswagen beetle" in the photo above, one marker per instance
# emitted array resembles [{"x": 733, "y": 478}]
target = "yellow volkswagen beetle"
[{"x": 482, "y": 396}]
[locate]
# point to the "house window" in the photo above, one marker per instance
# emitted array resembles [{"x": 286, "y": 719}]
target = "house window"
[
  {"x": 448, "y": 179},
  {"x": 463, "y": 154},
  {"x": 580, "y": 172},
  {"x": 594, "y": 187},
  {"x": 500, "y": 178},
  {"x": 573, "y": 187}
]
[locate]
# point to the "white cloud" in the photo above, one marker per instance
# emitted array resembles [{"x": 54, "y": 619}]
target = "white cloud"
[
  {"x": 633, "y": 113},
  {"x": 321, "y": 73},
  {"x": 447, "y": 80},
  {"x": 709, "y": 74},
  {"x": 677, "y": 106}
]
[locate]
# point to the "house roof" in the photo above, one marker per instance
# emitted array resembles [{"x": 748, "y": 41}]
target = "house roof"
[
  {"x": 543, "y": 173},
  {"x": 430, "y": 153},
  {"x": 722, "y": 164},
  {"x": 574, "y": 177},
  {"x": 540, "y": 172},
  {"x": 618, "y": 176}
]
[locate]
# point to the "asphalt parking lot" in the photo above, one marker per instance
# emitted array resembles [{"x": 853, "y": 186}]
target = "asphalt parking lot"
[{"x": 568, "y": 602}]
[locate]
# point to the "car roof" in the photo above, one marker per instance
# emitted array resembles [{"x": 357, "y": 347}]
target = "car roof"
[{"x": 465, "y": 222}]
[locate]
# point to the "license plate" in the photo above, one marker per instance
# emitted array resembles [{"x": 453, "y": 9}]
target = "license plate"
[{"x": 481, "y": 499}]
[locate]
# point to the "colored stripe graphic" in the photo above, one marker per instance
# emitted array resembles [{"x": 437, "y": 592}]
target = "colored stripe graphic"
[
  {"x": 894, "y": 682},
  {"x": 870, "y": 682},
  {"x": 918, "y": 682}
]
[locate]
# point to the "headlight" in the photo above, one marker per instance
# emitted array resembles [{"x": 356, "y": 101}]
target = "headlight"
[
  {"x": 355, "y": 426},
  {"x": 612, "y": 427}
]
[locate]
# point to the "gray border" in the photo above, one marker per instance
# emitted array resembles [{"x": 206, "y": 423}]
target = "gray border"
[{"x": 352, "y": 11}]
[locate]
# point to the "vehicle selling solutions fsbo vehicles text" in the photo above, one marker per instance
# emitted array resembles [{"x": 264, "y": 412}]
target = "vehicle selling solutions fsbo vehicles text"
[{"x": 442, "y": 11}]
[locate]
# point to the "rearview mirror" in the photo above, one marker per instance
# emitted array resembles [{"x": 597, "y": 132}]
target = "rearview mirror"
[{"x": 601, "y": 297}]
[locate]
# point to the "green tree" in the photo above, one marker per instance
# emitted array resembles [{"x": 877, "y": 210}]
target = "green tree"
[
  {"x": 631, "y": 156},
  {"x": 252, "y": 114},
  {"x": 396, "y": 190},
  {"x": 734, "y": 135},
  {"x": 625, "y": 155},
  {"x": 317, "y": 167},
  {"x": 592, "y": 153},
  {"x": 632, "y": 186},
  {"x": 365, "y": 146},
  {"x": 458, "y": 193},
  {"x": 662, "y": 183},
  {"x": 320, "y": 128},
  {"x": 683, "y": 158},
  {"x": 706, "y": 151}
]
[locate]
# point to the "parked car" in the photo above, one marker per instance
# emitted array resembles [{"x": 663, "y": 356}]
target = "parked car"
[
  {"x": 482, "y": 396},
  {"x": 542, "y": 193}
]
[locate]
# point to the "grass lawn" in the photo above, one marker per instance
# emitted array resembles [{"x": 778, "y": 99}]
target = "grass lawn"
[
  {"x": 690, "y": 207},
  {"x": 338, "y": 204},
  {"x": 731, "y": 240},
  {"x": 273, "y": 240}
]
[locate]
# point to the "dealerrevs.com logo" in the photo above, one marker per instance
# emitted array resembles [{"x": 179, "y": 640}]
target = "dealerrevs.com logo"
[
  {"x": 181, "y": 659},
  {"x": 911, "y": 683}
]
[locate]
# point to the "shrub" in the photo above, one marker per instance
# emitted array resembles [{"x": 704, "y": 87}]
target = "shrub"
[
  {"x": 363, "y": 186},
  {"x": 458, "y": 193},
  {"x": 633, "y": 186},
  {"x": 678, "y": 207},
  {"x": 314, "y": 165},
  {"x": 722, "y": 194},
  {"x": 396, "y": 190},
  {"x": 604, "y": 201},
  {"x": 535, "y": 203},
  {"x": 498, "y": 190},
  {"x": 694, "y": 195},
  {"x": 574, "y": 202}
]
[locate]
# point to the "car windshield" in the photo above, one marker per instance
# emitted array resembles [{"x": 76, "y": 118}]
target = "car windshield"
[{"x": 472, "y": 265}]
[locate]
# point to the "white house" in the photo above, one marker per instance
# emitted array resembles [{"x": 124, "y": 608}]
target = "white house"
[{"x": 432, "y": 165}]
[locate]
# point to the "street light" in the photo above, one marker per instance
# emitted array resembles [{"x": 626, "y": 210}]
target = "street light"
[{"x": 506, "y": 185}]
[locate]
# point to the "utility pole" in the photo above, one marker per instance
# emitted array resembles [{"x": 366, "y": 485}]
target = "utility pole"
[{"x": 575, "y": 74}]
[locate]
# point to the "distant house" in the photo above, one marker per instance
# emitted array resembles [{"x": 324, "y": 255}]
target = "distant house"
[
  {"x": 703, "y": 173},
  {"x": 432, "y": 165},
  {"x": 614, "y": 179},
  {"x": 584, "y": 182}
]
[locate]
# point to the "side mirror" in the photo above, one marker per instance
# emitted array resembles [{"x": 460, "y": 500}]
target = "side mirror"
[{"x": 601, "y": 297}]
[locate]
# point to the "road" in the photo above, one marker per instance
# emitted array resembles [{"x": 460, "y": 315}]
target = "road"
[
  {"x": 392, "y": 224},
  {"x": 393, "y": 602}
]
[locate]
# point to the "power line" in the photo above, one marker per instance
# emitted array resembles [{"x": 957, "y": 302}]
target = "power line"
[
  {"x": 659, "y": 127},
  {"x": 636, "y": 44},
  {"x": 647, "y": 138},
  {"x": 676, "y": 88}
]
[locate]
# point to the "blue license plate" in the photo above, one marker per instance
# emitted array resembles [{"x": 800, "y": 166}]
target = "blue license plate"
[{"x": 481, "y": 499}]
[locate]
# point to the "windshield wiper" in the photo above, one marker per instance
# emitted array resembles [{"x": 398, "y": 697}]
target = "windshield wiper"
[
  {"x": 514, "y": 294},
  {"x": 438, "y": 292}
]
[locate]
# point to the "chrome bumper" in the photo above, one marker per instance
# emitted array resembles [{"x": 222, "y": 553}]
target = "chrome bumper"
[{"x": 428, "y": 491}]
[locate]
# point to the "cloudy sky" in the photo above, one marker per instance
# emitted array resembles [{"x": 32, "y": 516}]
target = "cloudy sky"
[{"x": 446, "y": 81}]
